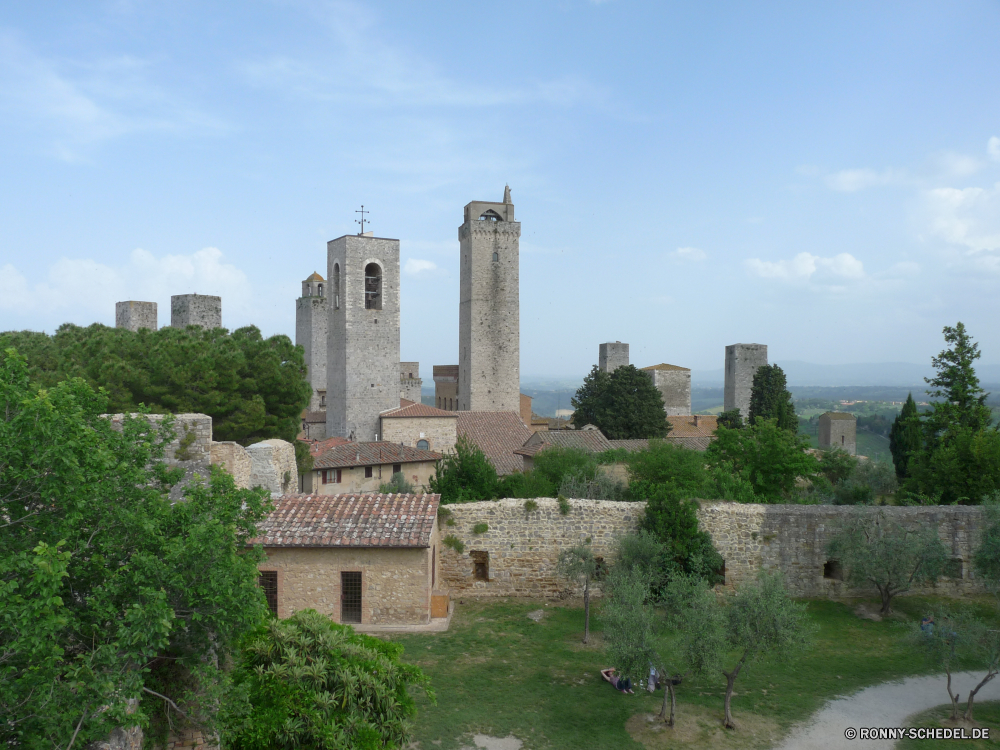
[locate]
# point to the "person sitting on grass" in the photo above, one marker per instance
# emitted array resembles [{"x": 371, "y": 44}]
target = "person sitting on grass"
[{"x": 618, "y": 683}]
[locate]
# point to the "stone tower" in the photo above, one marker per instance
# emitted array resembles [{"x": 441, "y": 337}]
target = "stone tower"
[
  {"x": 611, "y": 356},
  {"x": 489, "y": 349},
  {"x": 363, "y": 334},
  {"x": 839, "y": 429},
  {"x": 195, "y": 310},
  {"x": 135, "y": 315},
  {"x": 311, "y": 319},
  {"x": 742, "y": 363},
  {"x": 674, "y": 385}
]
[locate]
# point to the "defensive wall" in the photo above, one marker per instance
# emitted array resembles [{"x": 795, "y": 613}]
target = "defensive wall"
[{"x": 522, "y": 547}]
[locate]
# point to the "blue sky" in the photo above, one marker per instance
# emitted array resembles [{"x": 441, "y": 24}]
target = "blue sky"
[{"x": 822, "y": 178}]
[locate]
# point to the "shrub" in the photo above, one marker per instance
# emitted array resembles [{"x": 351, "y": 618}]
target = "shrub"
[
  {"x": 564, "y": 506},
  {"x": 528, "y": 484},
  {"x": 466, "y": 475},
  {"x": 454, "y": 542},
  {"x": 668, "y": 464},
  {"x": 554, "y": 463},
  {"x": 601, "y": 487},
  {"x": 530, "y": 505},
  {"x": 480, "y": 528},
  {"x": 397, "y": 484},
  {"x": 674, "y": 521}
]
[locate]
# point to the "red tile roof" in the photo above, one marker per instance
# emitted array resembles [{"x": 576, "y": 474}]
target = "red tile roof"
[
  {"x": 665, "y": 366},
  {"x": 371, "y": 454},
  {"x": 370, "y": 520},
  {"x": 416, "y": 410},
  {"x": 320, "y": 447},
  {"x": 592, "y": 441},
  {"x": 498, "y": 434},
  {"x": 314, "y": 417}
]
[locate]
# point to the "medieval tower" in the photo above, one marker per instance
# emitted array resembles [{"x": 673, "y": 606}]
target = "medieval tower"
[
  {"x": 742, "y": 363},
  {"x": 489, "y": 308},
  {"x": 363, "y": 334},
  {"x": 311, "y": 319}
]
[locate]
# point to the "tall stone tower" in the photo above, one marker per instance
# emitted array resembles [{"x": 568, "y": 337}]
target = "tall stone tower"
[
  {"x": 611, "y": 356},
  {"x": 742, "y": 362},
  {"x": 134, "y": 315},
  {"x": 362, "y": 373},
  {"x": 489, "y": 329},
  {"x": 311, "y": 319},
  {"x": 202, "y": 310}
]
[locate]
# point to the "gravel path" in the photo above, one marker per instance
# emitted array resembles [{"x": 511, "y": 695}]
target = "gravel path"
[{"x": 885, "y": 705}]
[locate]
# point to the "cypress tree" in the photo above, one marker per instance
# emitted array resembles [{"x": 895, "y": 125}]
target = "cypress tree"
[
  {"x": 770, "y": 398},
  {"x": 904, "y": 437}
]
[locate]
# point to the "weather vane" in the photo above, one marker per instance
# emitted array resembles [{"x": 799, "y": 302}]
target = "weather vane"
[{"x": 361, "y": 221}]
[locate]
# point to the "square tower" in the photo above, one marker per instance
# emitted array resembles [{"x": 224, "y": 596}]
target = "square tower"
[
  {"x": 311, "y": 319},
  {"x": 839, "y": 429},
  {"x": 410, "y": 383},
  {"x": 363, "y": 334},
  {"x": 489, "y": 328},
  {"x": 135, "y": 315},
  {"x": 446, "y": 387},
  {"x": 674, "y": 385},
  {"x": 202, "y": 310},
  {"x": 611, "y": 356},
  {"x": 742, "y": 363}
]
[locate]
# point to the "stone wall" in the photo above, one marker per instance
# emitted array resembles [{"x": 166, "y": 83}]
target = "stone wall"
[
  {"x": 523, "y": 547},
  {"x": 135, "y": 315},
  {"x": 311, "y": 320},
  {"x": 611, "y": 356},
  {"x": 202, "y": 310},
  {"x": 234, "y": 458},
  {"x": 441, "y": 433},
  {"x": 839, "y": 430},
  {"x": 272, "y": 466},
  {"x": 674, "y": 385},
  {"x": 446, "y": 387},
  {"x": 742, "y": 363}
]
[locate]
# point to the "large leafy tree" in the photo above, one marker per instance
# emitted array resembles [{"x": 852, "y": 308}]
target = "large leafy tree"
[
  {"x": 905, "y": 437},
  {"x": 108, "y": 591},
  {"x": 770, "y": 398},
  {"x": 466, "y": 475},
  {"x": 765, "y": 456},
  {"x": 623, "y": 405}
]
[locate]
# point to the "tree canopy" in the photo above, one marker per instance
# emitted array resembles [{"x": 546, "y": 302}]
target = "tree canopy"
[
  {"x": 623, "y": 404},
  {"x": 466, "y": 475},
  {"x": 770, "y": 398},
  {"x": 905, "y": 437}
]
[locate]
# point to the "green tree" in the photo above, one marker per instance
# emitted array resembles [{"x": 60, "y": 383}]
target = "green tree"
[
  {"x": 314, "y": 683},
  {"x": 905, "y": 437},
  {"x": 623, "y": 405},
  {"x": 767, "y": 457},
  {"x": 673, "y": 521},
  {"x": 110, "y": 592},
  {"x": 940, "y": 637},
  {"x": 644, "y": 552},
  {"x": 466, "y": 475},
  {"x": 663, "y": 463},
  {"x": 762, "y": 619},
  {"x": 578, "y": 564},
  {"x": 883, "y": 553},
  {"x": 770, "y": 398},
  {"x": 732, "y": 419}
]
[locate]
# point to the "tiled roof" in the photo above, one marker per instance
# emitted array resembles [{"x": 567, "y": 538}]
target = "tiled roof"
[
  {"x": 838, "y": 415},
  {"x": 693, "y": 425},
  {"x": 371, "y": 454},
  {"x": 314, "y": 417},
  {"x": 498, "y": 434},
  {"x": 417, "y": 410},
  {"x": 315, "y": 277},
  {"x": 350, "y": 521},
  {"x": 322, "y": 446},
  {"x": 592, "y": 441},
  {"x": 665, "y": 366}
]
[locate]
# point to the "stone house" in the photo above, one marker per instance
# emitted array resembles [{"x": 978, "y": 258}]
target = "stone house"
[
  {"x": 420, "y": 426},
  {"x": 370, "y": 560},
  {"x": 364, "y": 467},
  {"x": 499, "y": 434},
  {"x": 839, "y": 430}
]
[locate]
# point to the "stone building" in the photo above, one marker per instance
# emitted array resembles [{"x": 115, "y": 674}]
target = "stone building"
[
  {"x": 674, "y": 385},
  {"x": 420, "y": 426},
  {"x": 499, "y": 434},
  {"x": 742, "y": 363},
  {"x": 364, "y": 467},
  {"x": 363, "y": 344},
  {"x": 372, "y": 560},
  {"x": 313, "y": 425},
  {"x": 489, "y": 308},
  {"x": 135, "y": 315},
  {"x": 839, "y": 430},
  {"x": 410, "y": 383},
  {"x": 611, "y": 356},
  {"x": 311, "y": 320},
  {"x": 202, "y": 310},
  {"x": 446, "y": 387}
]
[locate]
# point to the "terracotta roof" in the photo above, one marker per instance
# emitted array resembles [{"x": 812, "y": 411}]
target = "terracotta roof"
[
  {"x": 665, "y": 366},
  {"x": 498, "y": 434},
  {"x": 837, "y": 415},
  {"x": 320, "y": 447},
  {"x": 372, "y": 520},
  {"x": 592, "y": 441},
  {"x": 314, "y": 417},
  {"x": 371, "y": 454},
  {"x": 693, "y": 425},
  {"x": 315, "y": 277},
  {"x": 405, "y": 402},
  {"x": 417, "y": 410}
]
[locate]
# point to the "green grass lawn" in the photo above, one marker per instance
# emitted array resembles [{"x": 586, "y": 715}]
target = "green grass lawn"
[
  {"x": 986, "y": 714},
  {"x": 497, "y": 672}
]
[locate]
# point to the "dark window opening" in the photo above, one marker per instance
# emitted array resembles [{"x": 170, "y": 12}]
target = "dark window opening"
[
  {"x": 480, "y": 565},
  {"x": 953, "y": 568},
  {"x": 423, "y": 445},
  {"x": 368, "y": 472},
  {"x": 373, "y": 287},
  {"x": 336, "y": 286},
  {"x": 268, "y": 581},
  {"x": 833, "y": 571},
  {"x": 320, "y": 287},
  {"x": 842, "y": 439},
  {"x": 397, "y": 468},
  {"x": 332, "y": 476},
  {"x": 496, "y": 257},
  {"x": 350, "y": 597},
  {"x": 490, "y": 215},
  {"x": 434, "y": 552}
]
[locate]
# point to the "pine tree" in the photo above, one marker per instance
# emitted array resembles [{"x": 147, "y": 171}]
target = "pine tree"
[
  {"x": 770, "y": 399},
  {"x": 959, "y": 401},
  {"x": 904, "y": 437},
  {"x": 622, "y": 405}
]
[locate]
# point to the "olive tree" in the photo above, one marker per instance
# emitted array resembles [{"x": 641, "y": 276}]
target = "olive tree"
[{"x": 578, "y": 564}]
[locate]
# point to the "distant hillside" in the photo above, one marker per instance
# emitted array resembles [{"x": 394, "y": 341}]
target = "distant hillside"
[{"x": 866, "y": 374}]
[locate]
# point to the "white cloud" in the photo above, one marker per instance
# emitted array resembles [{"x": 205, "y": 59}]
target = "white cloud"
[
  {"x": 969, "y": 217},
  {"x": 852, "y": 180},
  {"x": 415, "y": 266},
  {"x": 804, "y": 266},
  {"x": 14, "y": 292},
  {"x": 952, "y": 164},
  {"x": 691, "y": 254},
  {"x": 993, "y": 148}
]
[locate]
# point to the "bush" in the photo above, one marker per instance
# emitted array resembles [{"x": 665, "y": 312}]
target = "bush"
[
  {"x": 397, "y": 484},
  {"x": 554, "y": 464},
  {"x": 668, "y": 464},
  {"x": 601, "y": 487},
  {"x": 564, "y": 506},
  {"x": 528, "y": 484},
  {"x": 530, "y": 505},
  {"x": 867, "y": 480},
  {"x": 480, "y": 528},
  {"x": 673, "y": 520},
  {"x": 454, "y": 542},
  {"x": 466, "y": 475}
]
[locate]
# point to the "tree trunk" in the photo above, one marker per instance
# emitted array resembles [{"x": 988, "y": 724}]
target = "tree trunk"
[
  {"x": 586, "y": 610},
  {"x": 886, "y": 601},
  {"x": 972, "y": 693},
  {"x": 730, "y": 680},
  {"x": 673, "y": 701},
  {"x": 954, "y": 698}
]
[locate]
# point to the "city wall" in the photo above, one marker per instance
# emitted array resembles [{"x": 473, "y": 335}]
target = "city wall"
[{"x": 523, "y": 547}]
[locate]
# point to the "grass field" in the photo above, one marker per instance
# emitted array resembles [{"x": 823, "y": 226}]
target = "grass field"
[
  {"x": 497, "y": 672},
  {"x": 986, "y": 714}
]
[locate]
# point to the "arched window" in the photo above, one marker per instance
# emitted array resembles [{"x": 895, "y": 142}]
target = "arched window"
[
  {"x": 336, "y": 286},
  {"x": 320, "y": 286},
  {"x": 490, "y": 215},
  {"x": 496, "y": 257},
  {"x": 373, "y": 287},
  {"x": 423, "y": 445}
]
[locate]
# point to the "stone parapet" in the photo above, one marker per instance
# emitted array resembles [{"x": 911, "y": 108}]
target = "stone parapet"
[
  {"x": 235, "y": 459},
  {"x": 272, "y": 466}
]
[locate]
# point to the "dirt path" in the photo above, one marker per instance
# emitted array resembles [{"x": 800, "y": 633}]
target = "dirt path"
[{"x": 885, "y": 705}]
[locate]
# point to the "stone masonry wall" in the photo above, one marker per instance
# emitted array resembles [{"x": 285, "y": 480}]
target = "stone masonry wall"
[
  {"x": 135, "y": 315},
  {"x": 611, "y": 356},
  {"x": 272, "y": 466},
  {"x": 202, "y": 310},
  {"x": 441, "y": 433},
  {"x": 523, "y": 547},
  {"x": 311, "y": 320},
  {"x": 234, "y": 458},
  {"x": 742, "y": 363},
  {"x": 675, "y": 388}
]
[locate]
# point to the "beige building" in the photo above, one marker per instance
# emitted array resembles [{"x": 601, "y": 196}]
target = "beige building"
[
  {"x": 364, "y": 467},
  {"x": 420, "y": 426},
  {"x": 370, "y": 560}
]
